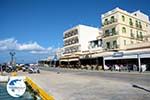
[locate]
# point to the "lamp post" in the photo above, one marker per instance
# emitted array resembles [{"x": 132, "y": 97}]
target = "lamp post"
[
  {"x": 12, "y": 54},
  {"x": 139, "y": 63}
]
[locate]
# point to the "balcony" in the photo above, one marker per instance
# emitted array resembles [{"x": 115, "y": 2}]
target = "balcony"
[
  {"x": 110, "y": 34},
  {"x": 131, "y": 24},
  {"x": 71, "y": 41},
  {"x": 108, "y": 22},
  {"x": 139, "y": 26},
  {"x": 71, "y": 33},
  {"x": 72, "y": 49},
  {"x": 112, "y": 48}
]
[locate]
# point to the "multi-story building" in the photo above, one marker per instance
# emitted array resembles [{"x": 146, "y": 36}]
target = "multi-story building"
[
  {"x": 124, "y": 38},
  {"x": 97, "y": 43},
  {"x": 77, "y": 38},
  {"x": 121, "y": 28}
]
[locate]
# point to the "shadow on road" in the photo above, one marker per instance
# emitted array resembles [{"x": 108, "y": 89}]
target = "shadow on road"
[{"x": 139, "y": 87}]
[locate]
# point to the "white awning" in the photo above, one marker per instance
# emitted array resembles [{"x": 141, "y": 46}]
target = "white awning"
[
  {"x": 71, "y": 59},
  {"x": 145, "y": 55},
  {"x": 74, "y": 59},
  {"x": 64, "y": 60},
  {"x": 123, "y": 57}
]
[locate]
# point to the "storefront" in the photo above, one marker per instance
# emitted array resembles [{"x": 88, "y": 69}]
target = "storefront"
[{"x": 123, "y": 58}]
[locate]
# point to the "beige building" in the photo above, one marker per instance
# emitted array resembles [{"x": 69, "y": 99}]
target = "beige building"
[{"x": 121, "y": 29}]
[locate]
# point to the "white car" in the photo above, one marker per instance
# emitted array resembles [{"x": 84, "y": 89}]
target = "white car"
[{"x": 33, "y": 69}]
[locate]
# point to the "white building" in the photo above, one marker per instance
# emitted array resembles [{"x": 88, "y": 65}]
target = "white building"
[{"x": 76, "y": 39}]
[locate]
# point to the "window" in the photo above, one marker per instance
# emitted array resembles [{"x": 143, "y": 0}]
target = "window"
[
  {"x": 113, "y": 31},
  {"x": 124, "y": 42},
  {"x": 123, "y": 18},
  {"x": 141, "y": 36},
  {"x": 123, "y": 30},
  {"x": 92, "y": 44},
  {"x": 106, "y": 33},
  {"x": 130, "y": 22},
  {"x": 140, "y": 25},
  {"x": 137, "y": 35},
  {"x": 131, "y": 33},
  {"x": 108, "y": 45},
  {"x": 76, "y": 31},
  {"x": 106, "y": 22},
  {"x": 115, "y": 44},
  {"x": 112, "y": 19},
  {"x": 99, "y": 43},
  {"x": 136, "y": 22}
]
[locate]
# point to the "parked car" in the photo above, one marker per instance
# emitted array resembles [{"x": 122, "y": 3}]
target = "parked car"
[
  {"x": 33, "y": 69},
  {"x": 25, "y": 67},
  {"x": 9, "y": 69}
]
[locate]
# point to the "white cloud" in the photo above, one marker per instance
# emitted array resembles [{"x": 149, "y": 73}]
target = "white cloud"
[
  {"x": 8, "y": 44},
  {"x": 32, "y": 47},
  {"x": 40, "y": 52}
]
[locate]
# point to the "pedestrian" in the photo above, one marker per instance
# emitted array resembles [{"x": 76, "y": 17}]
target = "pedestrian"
[
  {"x": 134, "y": 67},
  {"x": 128, "y": 66}
]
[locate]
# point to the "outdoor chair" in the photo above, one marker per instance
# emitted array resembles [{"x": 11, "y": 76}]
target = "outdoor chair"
[
  {"x": 117, "y": 68},
  {"x": 106, "y": 67}
]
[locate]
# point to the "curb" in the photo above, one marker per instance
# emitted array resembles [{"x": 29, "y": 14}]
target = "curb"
[{"x": 39, "y": 90}]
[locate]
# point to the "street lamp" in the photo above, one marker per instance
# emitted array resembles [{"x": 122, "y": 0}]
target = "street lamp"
[{"x": 12, "y": 54}]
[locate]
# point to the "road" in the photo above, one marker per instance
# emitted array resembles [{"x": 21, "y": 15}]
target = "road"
[
  {"x": 66, "y": 84},
  {"x": 130, "y": 77}
]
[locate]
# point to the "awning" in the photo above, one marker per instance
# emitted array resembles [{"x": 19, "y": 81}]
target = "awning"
[
  {"x": 145, "y": 55},
  {"x": 71, "y": 59},
  {"x": 64, "y": 60},
  {"x": 123, "y": 57}
]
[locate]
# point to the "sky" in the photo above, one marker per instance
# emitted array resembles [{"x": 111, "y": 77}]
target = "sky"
[{"x": 34, "y": 28}]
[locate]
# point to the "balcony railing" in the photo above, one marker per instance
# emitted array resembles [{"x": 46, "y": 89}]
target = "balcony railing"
[
  {"x": 139, "y": 26},
  {"x": 110, "y": 34},
  {"x": 70, "y": 42},
  {"x": 69, "y": 34},
  {"x": 109, "y": 22},
  {"x": 112, "y": 47}
]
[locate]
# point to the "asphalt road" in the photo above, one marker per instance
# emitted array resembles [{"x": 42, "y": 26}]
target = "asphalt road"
[
  {"x": 73, "y": 84},
  {"x": 66, "y": 84},
  {"x": 130, "y": 77},
  {"x": 100, "y": 85}
]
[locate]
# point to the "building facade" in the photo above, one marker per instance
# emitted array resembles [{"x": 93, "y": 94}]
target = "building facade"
[
  {"x": 77, "y": 39},
  {"x": 121, "y": 28},
  {"x": 123, "y": 39}
]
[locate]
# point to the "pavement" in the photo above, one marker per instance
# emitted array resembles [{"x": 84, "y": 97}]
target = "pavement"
[{"x": 66, "y": 84}]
